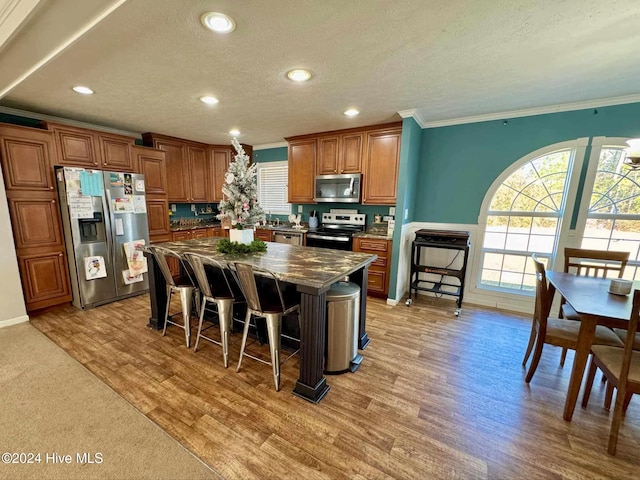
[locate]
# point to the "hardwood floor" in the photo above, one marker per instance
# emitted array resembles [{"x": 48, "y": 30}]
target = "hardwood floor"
[{"x": 436, "y": 397}]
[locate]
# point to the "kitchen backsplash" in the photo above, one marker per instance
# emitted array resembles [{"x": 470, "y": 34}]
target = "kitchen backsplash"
[{"x": 207, "y": 211}]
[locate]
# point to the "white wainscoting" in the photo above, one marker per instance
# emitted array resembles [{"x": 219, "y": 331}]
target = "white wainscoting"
[{"x": 442, "y": 257}]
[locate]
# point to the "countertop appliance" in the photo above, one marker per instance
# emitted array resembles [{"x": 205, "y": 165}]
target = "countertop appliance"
[
  {"x": 343, "y": 188},
  {"x": 337, "y": 229},
  {"x": 104, "y": 217}
]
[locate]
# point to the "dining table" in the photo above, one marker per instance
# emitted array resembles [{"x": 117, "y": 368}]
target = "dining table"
[
  {"x": 312, "y": 270},
  {"x": 590, "y": 298}
]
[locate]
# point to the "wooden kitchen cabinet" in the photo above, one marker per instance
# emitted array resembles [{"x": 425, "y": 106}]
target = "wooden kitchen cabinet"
[
  {"x": 81, "y": 147},
  {"x": 45, "y": 279},
  {"x": 217, "y": 232},
  {"x": 28, "y": 156},
  {"x": 380, "y": 169},
  {"x": 264, "y": 234},
  {"x": 219, "y": 159},
  {"x": 199, "y": 233},
  {"x": 379, "y": 270},
  {"x": 302, "y": 170},
  {"x": 151, "y": 164},
  {"x": 35, "y": 219},
  {"x": 116, "y": 153},
  {"x": 340, "y": 154},
  {"x": 198, "y": 173},
  {"x": 158, "y": 220},
  {"x": 177, "y": 167}
]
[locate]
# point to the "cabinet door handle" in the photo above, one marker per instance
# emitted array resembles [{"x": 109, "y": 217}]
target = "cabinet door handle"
[
  {"x": 60, "y": 254},
  {"x": 50, "y": 188},
  {"x": 53, "y": 201}
]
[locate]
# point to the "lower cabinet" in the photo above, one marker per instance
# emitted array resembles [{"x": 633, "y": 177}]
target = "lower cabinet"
[
  {"x": 265, "y": 235},
  {"x": 45, "y": 279},
  {"x": 378, "y": 283}
]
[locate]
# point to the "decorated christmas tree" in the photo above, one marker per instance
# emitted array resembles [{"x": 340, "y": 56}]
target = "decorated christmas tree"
[{"x": 240, "y": 191}]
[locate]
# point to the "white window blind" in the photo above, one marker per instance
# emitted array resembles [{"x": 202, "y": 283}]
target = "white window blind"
[{"x": 272, "y": 187}]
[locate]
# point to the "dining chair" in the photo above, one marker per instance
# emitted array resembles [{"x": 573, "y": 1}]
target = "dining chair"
[
  {"x": 218, "y": 287},
  {"x": 559, "y": 332},
  {"x": 183, "y": 286},
  {"x": 621, "y": 367},
  {"x": 592, "y": 263},
  {"x": 269, "y": 302}
]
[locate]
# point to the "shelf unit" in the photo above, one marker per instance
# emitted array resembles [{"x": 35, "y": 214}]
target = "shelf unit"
[{"x": 445, "y": 239}]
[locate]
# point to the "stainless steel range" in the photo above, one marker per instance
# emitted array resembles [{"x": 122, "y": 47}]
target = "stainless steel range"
[{"x": 337, "y": 229}]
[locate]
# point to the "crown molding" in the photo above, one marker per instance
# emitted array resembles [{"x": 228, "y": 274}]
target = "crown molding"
[
  {"x": 415, "y": 114},
  {"x": 12, "y": 15},
  {"x": 529, "y": 112},
  {"x": 66, "y": 121},
  {"x": 265, "y": 146}
]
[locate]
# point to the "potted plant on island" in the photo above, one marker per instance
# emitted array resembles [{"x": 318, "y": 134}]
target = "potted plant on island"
[{"x": 240, "y": 197}]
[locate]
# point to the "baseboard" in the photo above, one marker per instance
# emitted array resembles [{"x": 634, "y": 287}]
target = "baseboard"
[
  {"x": 14, "y": 321},
  {"x": 392, "y": 302}
]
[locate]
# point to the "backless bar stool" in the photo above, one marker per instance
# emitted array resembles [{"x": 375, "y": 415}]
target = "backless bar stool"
[
  {"x": 271, "y": 307},
  {"x": 184, "y": 287},
  {"x": 216, "y": 288}
]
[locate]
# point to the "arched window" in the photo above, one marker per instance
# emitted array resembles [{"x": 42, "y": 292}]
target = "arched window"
[
  {"x": 612, "y": 220},
  {"x": 529, "y": 209},
  {"x": 524, "y": 213}
]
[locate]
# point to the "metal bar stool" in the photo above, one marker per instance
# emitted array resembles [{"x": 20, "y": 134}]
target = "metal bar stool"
[
  {"x": 264, "y": 304},
  {"x": 215, "y": 288},
  {"x": 184, "y": 287}
]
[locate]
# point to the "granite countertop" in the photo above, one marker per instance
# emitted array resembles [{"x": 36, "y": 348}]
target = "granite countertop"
[
  {"x": 283, "y": 228},
  {"x": 178, "y": 228},
  {"x": 378, "y": 231},
  {"x": 313, "y": 267}
]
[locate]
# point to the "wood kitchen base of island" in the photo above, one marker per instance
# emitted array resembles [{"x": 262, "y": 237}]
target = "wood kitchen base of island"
[{"x": 311, "y": 270}]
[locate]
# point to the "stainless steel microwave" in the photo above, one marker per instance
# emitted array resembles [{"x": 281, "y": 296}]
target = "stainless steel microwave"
[{"x": 344, "y": 188}]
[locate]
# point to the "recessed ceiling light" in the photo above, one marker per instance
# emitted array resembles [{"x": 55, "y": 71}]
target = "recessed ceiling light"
[
  {"x": 83, "y": 90},
  {"x": 209, "y": 100},
  {"x": 299, "y": 75},
  {"x": 234, "y": 132},
  {"x": 218, "y": 22},
  {"x": 352, "y": 112}
]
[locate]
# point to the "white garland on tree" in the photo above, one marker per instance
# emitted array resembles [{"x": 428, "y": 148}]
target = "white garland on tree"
[{"x": 240, "y": 191}]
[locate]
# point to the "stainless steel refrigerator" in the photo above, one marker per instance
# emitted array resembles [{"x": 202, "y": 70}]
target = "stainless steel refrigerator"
[{"x": 104, "y": 218}]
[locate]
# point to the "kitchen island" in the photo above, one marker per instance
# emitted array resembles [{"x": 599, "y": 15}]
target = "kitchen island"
[{"x": 311, "y": 270}]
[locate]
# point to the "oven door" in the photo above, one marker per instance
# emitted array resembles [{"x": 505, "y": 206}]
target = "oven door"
[{"x": 337, "y": 242}]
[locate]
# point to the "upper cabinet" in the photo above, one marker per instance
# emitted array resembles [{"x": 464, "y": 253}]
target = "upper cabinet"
[
  {"x": 219, "y": 159},
  {"x": 373, "y": 151},
  {"x": 92, "y": 149},
  {"x": 186, "y": 165},
  {"x": 380, "y": 172},
  {"x": 340, "y": 154},
  {"x": 27, "y": 158},
  {"x": 302, "y": 170}
]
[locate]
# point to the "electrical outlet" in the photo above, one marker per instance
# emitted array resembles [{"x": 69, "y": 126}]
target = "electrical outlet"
[
  {"x": 406, "y": 213},
  {"x": 392, "y": 211},
  {"x": 299, "y": 208},
  {"x": 193, "y": 207},
  {"x": 173, "y": 207}
]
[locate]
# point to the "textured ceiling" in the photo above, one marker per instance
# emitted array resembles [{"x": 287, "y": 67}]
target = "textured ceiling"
[{"x": 150, "y": 60}]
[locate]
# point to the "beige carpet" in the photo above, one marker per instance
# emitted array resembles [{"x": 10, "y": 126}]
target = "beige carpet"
[{"x": 50, "y": 404}]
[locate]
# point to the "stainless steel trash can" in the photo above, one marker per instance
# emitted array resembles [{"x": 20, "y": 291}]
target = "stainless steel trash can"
[{"x": 343, "y": 315}]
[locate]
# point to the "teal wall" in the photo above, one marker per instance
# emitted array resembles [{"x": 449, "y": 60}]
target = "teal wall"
[
  {"x": 410, "y": 150},
  {"x": 270, "y": 155},
  {"x": 458, "y": 164}
]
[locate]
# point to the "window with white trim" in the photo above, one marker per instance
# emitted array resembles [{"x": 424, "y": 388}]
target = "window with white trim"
[
  {"x": 272, "y": 187},
  {"x": 524, "y": 217},
  {"x": 613, "y": 215},
  {"x": 528, "y": 210}
]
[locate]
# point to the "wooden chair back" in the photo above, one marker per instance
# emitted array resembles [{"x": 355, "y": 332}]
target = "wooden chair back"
[
  {"x": 625, "y": 389},
  {"x": 543, "y": 295},
  {"x": 594, "y": 263}
]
